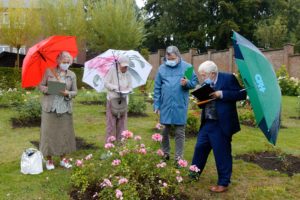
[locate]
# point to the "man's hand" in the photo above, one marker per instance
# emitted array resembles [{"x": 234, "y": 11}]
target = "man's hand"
[
  {"x": 216, "y": 94},
  {"x": 183, "y": 81}
]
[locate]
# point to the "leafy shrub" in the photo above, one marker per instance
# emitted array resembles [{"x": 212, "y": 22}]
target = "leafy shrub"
[
  {"x": 9, "y": 77},
  {"x": 145, "y": 53},
  {"x": 290, "y": 86},
  {"x": 85, "y": 95},
  {"x": 12, "y": 97},
  {"x": 137, "y": 105},
  {"x": 130, "y": 169},
  {"x": 246, "y": 114},
  {"x": 192, "y": 125},
  {"x": 30, "y": 108},
  {"x": 79, "y": 75}
]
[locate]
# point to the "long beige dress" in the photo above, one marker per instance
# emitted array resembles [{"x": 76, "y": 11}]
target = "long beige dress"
[{"x": 57, "y": 131}]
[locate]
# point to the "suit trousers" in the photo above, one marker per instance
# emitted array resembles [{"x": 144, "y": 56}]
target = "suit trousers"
[{"x": 211, "y": 137}]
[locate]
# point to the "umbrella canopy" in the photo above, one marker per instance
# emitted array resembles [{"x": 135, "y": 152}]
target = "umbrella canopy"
[
  {"x": 43, "y": 55},
  {"x": 261, "y": 84},
  {"x": 96, "y": 68}
]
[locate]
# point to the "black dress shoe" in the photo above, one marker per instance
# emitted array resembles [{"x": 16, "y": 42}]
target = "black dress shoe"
[{"x": 166, "y": 157}]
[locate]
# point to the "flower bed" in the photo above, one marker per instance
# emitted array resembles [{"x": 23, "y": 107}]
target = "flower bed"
[{"x": 129, "y": 170}]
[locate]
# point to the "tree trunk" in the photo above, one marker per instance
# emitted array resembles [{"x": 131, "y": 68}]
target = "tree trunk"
[{"x": 18, "y": 58}]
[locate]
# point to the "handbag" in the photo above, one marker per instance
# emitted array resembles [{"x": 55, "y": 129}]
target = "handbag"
[
  {"x": 32, "y": 161},
  {"x": 118, "y": 106}
]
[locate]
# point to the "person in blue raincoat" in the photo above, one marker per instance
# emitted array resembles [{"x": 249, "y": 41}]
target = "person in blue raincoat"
[{"x": 171, "y": 99}]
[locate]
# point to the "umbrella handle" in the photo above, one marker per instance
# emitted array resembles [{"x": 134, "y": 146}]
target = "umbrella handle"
[{"x": 246, "y": 83}]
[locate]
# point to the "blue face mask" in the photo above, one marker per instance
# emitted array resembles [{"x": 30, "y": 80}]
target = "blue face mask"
[
  {"x": 208, "y": 81},
  {"x": 171, "y": 63}
]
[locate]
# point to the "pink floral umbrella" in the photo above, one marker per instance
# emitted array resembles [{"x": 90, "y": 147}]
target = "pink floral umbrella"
[{"x": 96, "y": 68}]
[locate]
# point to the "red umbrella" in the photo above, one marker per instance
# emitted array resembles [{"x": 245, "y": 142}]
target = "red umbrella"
[{"x": 43, "y": 55}]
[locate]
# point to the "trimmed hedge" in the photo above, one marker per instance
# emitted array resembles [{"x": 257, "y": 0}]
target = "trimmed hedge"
[{"x": 10, "y": 77}]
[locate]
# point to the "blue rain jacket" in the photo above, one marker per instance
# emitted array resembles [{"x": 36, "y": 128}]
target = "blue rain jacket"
[{"x": 170, "y": 97}]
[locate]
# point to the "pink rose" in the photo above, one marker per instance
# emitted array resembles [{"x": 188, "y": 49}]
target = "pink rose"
[
  {"x": 79, "y": 163},
  {"x": 116, "y": 162},
  {"x": 106, "y": 183},
  {"x": 88, "y": 157},
  {"x": 157, "y": 137},
  {"x": 194, "y": 168},
  {"x": 137, "y": 138},
  {"x": 160, "y": 152},
  {"x": 182, "y": 163},
  {"x": 119, "y": 194},
  {"x": 179, "y": 179},
  {"x": 111, "y": 139},
  {"x": 127, "y": 134},
  {"x": 123, "y": 181},
  {"x": 143, "y": 151},
  {"x": 109, "y": 145},
  {"x": 161, "y": 165}
]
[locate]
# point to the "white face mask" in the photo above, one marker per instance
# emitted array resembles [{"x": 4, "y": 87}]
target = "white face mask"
[
  {"x": 64, "y": 66},
  {"x": 171, "y": 63}
]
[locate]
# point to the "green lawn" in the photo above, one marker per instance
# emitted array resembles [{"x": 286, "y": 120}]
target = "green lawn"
[{"x": 249, "y": 181}]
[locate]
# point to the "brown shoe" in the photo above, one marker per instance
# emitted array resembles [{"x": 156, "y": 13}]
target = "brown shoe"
[{"x": 218, "y": 188}]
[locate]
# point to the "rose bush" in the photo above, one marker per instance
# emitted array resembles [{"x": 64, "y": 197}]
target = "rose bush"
[{"x": 130, "y": 170}]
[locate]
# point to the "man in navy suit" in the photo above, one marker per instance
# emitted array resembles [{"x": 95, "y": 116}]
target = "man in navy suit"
[{"x": 219, "y": 121}]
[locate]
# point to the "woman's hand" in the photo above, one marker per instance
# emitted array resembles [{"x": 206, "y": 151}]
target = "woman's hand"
[
  {"x": 183, "y": 81},
  {"x": 65, "y": 93}
]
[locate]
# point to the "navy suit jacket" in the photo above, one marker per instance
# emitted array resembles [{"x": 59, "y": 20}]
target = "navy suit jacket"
[{"x": 226, "y": 107}]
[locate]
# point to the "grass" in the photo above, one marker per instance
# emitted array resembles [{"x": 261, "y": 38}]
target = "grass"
[{"x": 249, "y": 181}]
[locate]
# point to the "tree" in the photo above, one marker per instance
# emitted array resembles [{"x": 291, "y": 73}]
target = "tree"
[
  {"x": 175, "y": 22},
  {"x": 202, "y": 23},
  {"x": 113, "y": 24},
  {"x": 22, "y": 27},
  {"x": 64, "y": 18},
  {"x": 272, "y": 33}
]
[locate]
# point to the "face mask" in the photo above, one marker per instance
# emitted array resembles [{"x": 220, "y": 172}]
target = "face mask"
[
  {"x": 208, "y": 81},
  {"x": 64, "y": 66},
  {"x": 171, "y": 63}
]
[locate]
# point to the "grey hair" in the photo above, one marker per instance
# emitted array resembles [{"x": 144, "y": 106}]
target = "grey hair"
[
  {"x": 62, "y": 55},
  {"x": 173, "y": 50},
  {"x": 208, "y": 67}
]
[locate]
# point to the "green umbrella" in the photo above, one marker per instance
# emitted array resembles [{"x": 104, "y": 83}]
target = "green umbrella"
[{"x": 261, "y": 84}]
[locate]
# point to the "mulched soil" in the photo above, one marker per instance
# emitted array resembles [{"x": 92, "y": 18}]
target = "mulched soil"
[
  {"x": 269, "y": 160},
  {"x": 28, "y": 122},
  {"x": 81, "y": 144},
  {"x": 89, "y": 103},
  {"x": 248, "y": 123},
  {"x": 130, "y": 114},
  {"x": 4, "y": 106},
  {"x": 293, "y": 117}
]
